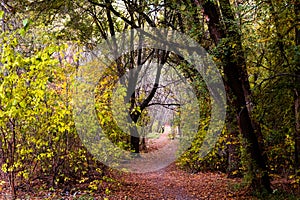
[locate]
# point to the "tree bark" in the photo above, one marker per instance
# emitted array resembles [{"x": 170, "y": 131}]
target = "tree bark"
[
  {"x": 237, "y": 85},
  {"x": 297, "y": 129},
  {"x": 135, "y": 140},
  {"x": 233, "y": 145},
  {"x": 297, "y": 100},
  {"x": 134, "y": 114}
]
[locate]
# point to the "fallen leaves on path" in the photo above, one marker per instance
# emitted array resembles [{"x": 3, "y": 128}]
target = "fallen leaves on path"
[
  {"x": 173, "y": 183},
  {"x": 169, "y": 183}
]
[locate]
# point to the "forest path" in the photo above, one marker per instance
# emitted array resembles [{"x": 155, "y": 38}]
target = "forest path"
[
  {"x": 154, "y": 144},
  {"x": 174, "y": 183}
]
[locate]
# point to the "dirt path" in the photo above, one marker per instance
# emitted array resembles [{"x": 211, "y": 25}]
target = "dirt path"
[
  {"x": 169, "y": 183},
  {"x": 154, "y": 144},
  {"x": 173, "y": 183}
]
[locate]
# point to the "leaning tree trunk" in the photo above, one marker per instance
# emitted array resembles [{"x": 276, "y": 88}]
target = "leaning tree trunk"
[
  {"x": 237, "y": 84},
  {"x": 297, "y": 125},
  {"x": 297, "y": 100}
]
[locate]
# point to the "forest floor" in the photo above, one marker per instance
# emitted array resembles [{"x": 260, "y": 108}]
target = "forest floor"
[
  {"x": 174, "y": 183},
  {"x": 169, "y": 183}
]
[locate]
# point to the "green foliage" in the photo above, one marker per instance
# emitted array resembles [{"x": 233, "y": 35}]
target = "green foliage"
[
  {"x": 38, "y": 137},
  {"x": 276, "y": 195},
  {"x": 111, "y": 110},
  {"x": 216, "y": 159},
  {"x": 153, "y": 135},
  {"x": 271, "y": 50},
  {"x": 85, "y": 197}
]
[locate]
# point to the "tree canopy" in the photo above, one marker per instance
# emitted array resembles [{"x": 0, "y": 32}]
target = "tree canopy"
[{"x": 46, "y": 45}]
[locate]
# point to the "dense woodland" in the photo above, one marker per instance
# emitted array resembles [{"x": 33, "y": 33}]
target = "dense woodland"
[{"x": 254, "y": 44}]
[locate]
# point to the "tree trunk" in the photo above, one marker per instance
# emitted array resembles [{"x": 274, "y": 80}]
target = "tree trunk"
[
  {"x": 12, "y": 149},
  {"x": 135, "y": 115},
  {"x": 134, "y": 134},
  {"x": 297, "y": 100},
  {"x": 234, "y": 161},
  {"x": 233, "y": 145},
  {"x": 135, "y": 142},
  {"x": 236, "y": 82},
  {"x": 143, "y": 144},
  {"x": 297, "y": 129}
]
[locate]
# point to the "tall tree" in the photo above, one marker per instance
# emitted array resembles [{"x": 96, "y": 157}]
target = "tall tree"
[
  {"x": 297, "y": 91},
  {"x": 97, "y": 20},
  {"x": 225, "y": 33}
]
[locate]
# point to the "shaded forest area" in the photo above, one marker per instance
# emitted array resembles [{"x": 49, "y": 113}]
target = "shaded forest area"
[{"x": 255, "y": 46}]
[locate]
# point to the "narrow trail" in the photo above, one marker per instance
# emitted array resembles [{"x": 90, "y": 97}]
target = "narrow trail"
[{"x": 174, "y": 183}]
